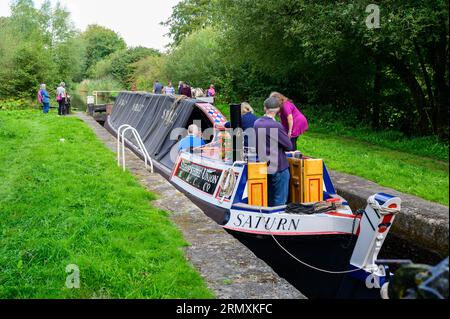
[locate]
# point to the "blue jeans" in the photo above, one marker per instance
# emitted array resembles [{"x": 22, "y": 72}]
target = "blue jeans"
[
  {"x": 46, "y": 107},
  {"x": 279, "y": 188}
]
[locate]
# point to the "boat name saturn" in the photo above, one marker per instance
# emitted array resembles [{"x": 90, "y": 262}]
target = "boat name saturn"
[{"x": 268, "y": 223}]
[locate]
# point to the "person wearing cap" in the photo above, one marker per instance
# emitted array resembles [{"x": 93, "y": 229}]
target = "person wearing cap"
[{"x": 272, "y": 142}]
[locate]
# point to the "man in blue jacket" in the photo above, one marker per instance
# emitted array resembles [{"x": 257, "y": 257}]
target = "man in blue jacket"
[
  {"x": 193, "y": 139},
  {"x": 272, "y": 143}
]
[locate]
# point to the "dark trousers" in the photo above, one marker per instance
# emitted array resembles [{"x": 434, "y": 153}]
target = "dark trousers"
[
  {"x": 294, "y": 142},
  {"x": 62, "y": 107}
]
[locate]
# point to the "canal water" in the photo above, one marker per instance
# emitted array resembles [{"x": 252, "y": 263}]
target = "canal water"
[{"x": 313, "y": 283}]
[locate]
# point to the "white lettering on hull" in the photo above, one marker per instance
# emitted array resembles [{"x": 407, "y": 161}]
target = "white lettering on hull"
[{"x": 282, "y": 223}]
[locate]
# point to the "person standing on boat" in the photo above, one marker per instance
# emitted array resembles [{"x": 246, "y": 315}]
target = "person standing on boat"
[
  {"x": 294, "y": 122},
  {"x": 169, "y": 89},
  {"x": 248, "y": 120},
  {"x": 193, "y": 139},
  {"x": 272, "y": 143}
]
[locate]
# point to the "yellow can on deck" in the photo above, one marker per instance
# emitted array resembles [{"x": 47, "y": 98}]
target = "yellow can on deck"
[
  {"x": 306, "y": 184},
  {"x": 257, "y": 184},
  {"x": 313, "y": 180}
]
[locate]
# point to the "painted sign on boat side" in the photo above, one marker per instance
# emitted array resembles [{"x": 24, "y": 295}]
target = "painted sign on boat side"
[{"x": 203, "y": 178}]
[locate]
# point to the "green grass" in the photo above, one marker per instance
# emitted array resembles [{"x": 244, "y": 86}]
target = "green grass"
[
  {"x": 68, "y": 203},
  {"x": 426, "y": 146},
  {"x": 417, "y": 166}
]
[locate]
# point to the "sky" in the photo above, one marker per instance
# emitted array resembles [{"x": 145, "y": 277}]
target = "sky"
[{"x": 137, "y": 21}]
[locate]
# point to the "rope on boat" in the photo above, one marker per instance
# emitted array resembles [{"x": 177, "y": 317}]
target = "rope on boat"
[
  {"x": 228, "y": 183},
  {"x": 382, "y": 210},
  {"x": 169, "y": 114},
  {"x": 372, "y": 202},
  {"x": 304, "y": 263}
]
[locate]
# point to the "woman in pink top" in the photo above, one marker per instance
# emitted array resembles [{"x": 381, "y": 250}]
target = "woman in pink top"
[{"x": 294, "y": 122}]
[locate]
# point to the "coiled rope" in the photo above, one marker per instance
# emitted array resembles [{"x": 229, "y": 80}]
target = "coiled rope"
[
  {"x": 382, "y": 210},
  {"x": 227, "y": 186},
  {"x": 169, "y": 114}
]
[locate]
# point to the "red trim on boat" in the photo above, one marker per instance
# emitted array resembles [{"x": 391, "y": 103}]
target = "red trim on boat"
[
  {"x": 285, "y": 233},
  {"x": 342, "y": 215}
]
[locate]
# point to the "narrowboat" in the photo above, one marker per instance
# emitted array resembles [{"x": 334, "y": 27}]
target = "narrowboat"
[{"x": 229, "y": 184}]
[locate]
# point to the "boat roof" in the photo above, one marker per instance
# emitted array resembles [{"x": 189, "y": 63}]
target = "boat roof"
[{"x": 156, "y": 117}]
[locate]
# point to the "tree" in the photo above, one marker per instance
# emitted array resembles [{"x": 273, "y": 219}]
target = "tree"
[
  {"x": 196, "y": 59},
  {"x": 38, "y": 46},
  {"x": 329, "y": 51},
  {"x": 100, "y": 43},
  {"x": 189, "y": 16},
  {"x": 147, "y": 70}
]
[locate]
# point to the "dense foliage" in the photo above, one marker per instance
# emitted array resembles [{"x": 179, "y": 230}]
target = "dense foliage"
[
  {"x": 100, "y": 43},
  {"x": 325, "y": 53},
  {"x": 121, "y": 64},
  {"x": 41, "y": 45}
]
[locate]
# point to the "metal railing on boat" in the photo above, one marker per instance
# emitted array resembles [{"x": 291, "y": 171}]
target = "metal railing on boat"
[{"x": 121, "y": 142}]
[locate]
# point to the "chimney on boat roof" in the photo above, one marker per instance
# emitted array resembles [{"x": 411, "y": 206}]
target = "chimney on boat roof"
[{"x": 238, "y": 135}]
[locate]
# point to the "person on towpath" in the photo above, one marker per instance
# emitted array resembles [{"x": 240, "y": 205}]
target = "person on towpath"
[
  {"x": 157, "y": 88},
  {"x": 169, "y": 89},
  {"x": 44, "y": 98},
  {"x": 61, "y": 98},
  {"x": 186, "y": 90}
]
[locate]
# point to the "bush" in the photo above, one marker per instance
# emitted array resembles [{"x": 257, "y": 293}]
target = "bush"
[
  {"x": 120, "y": 65},
  {"x": 147, "y": 70},
  {"x": 15, "y": 104}
]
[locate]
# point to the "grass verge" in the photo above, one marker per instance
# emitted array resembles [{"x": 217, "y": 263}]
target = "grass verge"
[{"x": 65, "y": 203}]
